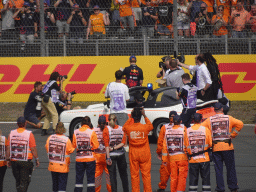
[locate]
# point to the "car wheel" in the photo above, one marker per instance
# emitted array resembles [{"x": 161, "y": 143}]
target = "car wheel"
[
  {"x": 158, "y": 124},
  {"x": 75, "y": 125}
]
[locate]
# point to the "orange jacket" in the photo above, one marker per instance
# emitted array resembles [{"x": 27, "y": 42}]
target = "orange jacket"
[
  {"x": 137, "y": 132},
  {"x": 160, "y": 139},
  {"x": 4, "y": 144},
  {"x": 60, "y": 167},
  {"x": 93, "y": 143},
  {"x": 198, "y": 136},
  {"x": 124, "y": 8},
  {"x": 184, "y": 144},
  {"x": 32, "y": 142},
  {"x": 212, "y": 124}
]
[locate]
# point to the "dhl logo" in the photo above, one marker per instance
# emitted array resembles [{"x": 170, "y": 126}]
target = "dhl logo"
[
  {"x": 10, "y": 74},
  {"x": 238, "y": 77}
]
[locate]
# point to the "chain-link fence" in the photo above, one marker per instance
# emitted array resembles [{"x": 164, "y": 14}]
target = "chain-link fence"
[{"x": 100, "y": 28}]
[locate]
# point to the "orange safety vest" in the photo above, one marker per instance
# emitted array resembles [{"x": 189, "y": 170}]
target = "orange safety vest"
[
  {"x": 19, "y": 145},
  {"x": 175, "y": 140},
  {"x": 101, "y": 149},
  {"x": 2, "y": 149},
  {"x": 83, "y": 143},
  {"x": 115, "y": 138},
  {"x": 220, "y": 127},
  {"x": 197, "y": 142},
  {"x": 57, "y": 149}
]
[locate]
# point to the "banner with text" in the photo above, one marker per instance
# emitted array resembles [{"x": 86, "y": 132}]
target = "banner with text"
[{"x": 89, "y": 76}]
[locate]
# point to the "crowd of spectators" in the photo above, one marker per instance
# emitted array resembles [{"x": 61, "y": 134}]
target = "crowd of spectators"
[{"x": 87, "y": 19}]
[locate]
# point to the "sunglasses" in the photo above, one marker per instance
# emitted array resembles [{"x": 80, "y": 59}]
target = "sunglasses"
[{"x": 221, "y": 9}]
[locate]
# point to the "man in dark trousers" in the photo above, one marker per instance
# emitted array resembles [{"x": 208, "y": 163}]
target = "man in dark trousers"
[
  {"x": 188, "y": 96},
  {"x": 133, "y": 74}
]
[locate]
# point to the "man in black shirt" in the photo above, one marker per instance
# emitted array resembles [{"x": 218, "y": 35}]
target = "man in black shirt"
[
  {"x": 33, "y": 107},
  {"x": 149, "y": 17},
  {"x": 165, "y": 12},
  {"x": 188, "y": 96},
  {"x": 203, "y": 22},
  {"x": 51, "y": 89},
  {"x": 133, "y": 74}
]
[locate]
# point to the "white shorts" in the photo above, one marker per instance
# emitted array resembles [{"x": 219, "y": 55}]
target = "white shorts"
[
  {"x": 63, "y": 27},
  {"x": 183, "y": 26},
  {"x": 137, "y": 13}
]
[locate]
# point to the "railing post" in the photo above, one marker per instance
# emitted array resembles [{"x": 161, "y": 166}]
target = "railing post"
[
  {"x": 226, "y": 44},
  {"x": 42, "y": 35},
  {"x": 64, "y": 46},
  {"x": 97, "y": 47}
]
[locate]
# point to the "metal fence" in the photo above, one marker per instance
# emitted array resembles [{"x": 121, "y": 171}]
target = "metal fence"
[{"x": 118, "y": 42}]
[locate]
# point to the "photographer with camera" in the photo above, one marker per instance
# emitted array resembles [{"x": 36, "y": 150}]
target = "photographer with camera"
[
  {"x": 164, "y": 67},
  {"x": 33, "y": 107},
  {"x": 51, "y": 89},
  {"x": 203, "y": 22}
]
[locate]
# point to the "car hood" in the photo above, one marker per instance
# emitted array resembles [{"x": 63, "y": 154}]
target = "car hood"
[{"x": 96, "y": 106}]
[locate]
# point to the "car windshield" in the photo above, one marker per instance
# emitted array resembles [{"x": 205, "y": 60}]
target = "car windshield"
[{"x": 167, "y": 98}]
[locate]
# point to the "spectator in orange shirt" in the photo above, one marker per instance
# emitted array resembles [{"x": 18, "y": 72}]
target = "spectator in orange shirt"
[
  {"x": 138, "y": 141},
  {"x": 114, "y": 140},
  {"x": 97, "y": 22},
  {"x": 59, "y": 148},
  {"x": 125, "y": 11},
  {"x": 85, "y": 140},
  {"x": 252, "y": 20},
  {"x": 20, "y": 155},
  {"x": 3, "y": 167},
  {"x": 223, "y": 128},
  {"x": 226, "y": 4},
  {"x": 220, "y": 22},
  {"x": 210, "y": 7},
  {"x": 239, "y": 18}
]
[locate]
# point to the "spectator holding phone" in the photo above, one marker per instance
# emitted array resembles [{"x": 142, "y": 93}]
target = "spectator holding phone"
[
  {"x": 252, "y": 20},
  {"x": 239, "y": 19},
  {"x": 219, "y": 22}
]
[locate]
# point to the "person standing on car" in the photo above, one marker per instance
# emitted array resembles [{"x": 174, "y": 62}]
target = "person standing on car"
[
  {"x": 59, "y": 148},
  {"x": 114, "y": 140},
  {"x": 199, "y": 141},
  {"x": 21, "y": 148},
  {"x": 85, "y": 140},
  {"x": 175, "y": 146},
  {"x": 133, "y": 74},
  {"x": 223, "y": 128},
  {"x": 100, "y": 155},
  {"x": 188, "y": 96},
  {"x": 51, "y": 89},
  {"x": 203, "y": 77},
  {"x": 3, "y": 163},
  {"x": 118, "y": 94},
  {"x": 164, "y": 168},
  {"x": 33, "y": 105},
  {"x": 138, "y": 139}
]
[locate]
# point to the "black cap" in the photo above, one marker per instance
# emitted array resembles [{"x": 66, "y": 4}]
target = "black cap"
[
  {"x": 139, "y": 97},
  {"x": 177, "y": 119},
  {"x": 198, "y": 117},
  {"x": 172, "y": 113},
  {"x": 21, "y": 120},
  {"x": 102, "y": 119},
  {"x": 218, "y": 106}
]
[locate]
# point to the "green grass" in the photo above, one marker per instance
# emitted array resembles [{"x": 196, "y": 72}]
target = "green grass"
[{"x": 243, "y": 110}]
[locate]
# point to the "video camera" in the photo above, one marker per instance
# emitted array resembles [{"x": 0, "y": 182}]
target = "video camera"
[
  {"x": 161, "y": 63},
  {"x": 73, "y": 92},
  {"x": 180, "y": 57}
]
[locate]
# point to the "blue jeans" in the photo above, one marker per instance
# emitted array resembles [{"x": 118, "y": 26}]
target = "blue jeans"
[
  {"x": 229, "y": 158},
  {"x": 90, "y": 173},
  {"x": 59, "y": 181},
  {"x": 239, "y": 34}
]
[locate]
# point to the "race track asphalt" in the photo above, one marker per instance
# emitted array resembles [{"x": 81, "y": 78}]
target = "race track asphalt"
[{"x": 245, "y": 154}]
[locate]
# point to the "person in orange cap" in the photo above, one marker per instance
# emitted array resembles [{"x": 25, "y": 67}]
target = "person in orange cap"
[
  {"x": 164, "y": 168},
  {"x": 199, "y": 142},
  {"x": 59, "y": 148},
  {"x": 100, "y": 155},
  {"x": 138, "y": 138},
  {"x": 175, "y": 145}
]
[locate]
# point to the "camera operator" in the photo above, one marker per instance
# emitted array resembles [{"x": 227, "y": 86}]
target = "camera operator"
[
  {"x": 164, "y": 66},
  {"x": 173, "y": 74},
  {"x": 64, "y": 102},
  {"x": 51, "y": 89},
  {"x": 33, "y": 107}
]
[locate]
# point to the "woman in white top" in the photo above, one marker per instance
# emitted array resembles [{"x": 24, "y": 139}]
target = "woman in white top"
[{"x": 183, "y": 18}]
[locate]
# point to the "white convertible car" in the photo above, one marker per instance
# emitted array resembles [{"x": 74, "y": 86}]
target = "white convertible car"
[{"x": 157, "y": 104}]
